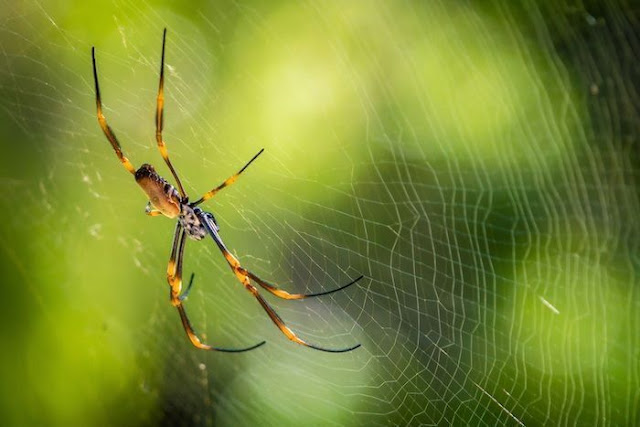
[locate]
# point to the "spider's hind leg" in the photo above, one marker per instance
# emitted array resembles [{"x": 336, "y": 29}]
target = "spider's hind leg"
[
  {"x": 244, "y": 278},
  {"x": 286, "y": 295},
  {"x": 185, "y": 294},
  {"x": 174, "y": 277},
  {"x": 284, "y": 328}
]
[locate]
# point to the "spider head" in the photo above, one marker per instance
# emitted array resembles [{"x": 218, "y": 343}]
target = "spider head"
[{"x": 162, "y": 195}]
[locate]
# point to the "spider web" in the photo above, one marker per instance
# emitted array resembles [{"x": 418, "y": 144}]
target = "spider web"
[{"x": 478, "y": 164}]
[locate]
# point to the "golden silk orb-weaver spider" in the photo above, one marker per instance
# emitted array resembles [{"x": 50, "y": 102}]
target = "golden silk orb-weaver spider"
[{"x": 165, "y": 199}]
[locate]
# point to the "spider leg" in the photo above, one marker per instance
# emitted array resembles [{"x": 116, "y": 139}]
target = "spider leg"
[
  {"x": 286, "y": 295},
  {"x": 103, "y": 121},
  {"x": 160, "y": 119},
  {"x": 174, "y": 277},
  {"x": 185, "y": 294},
  {"x": 243, "y": 277},
  {"x": 284, "y": 328},
  {"x": 174, "y": 267},
  {"x": 151, "y": 211},
  {"x": 227, "y": 182},
  {"x": 199, "y": 344}
]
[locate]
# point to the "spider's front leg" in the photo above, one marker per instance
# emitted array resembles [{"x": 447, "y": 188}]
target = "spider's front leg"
[
  {"x": 108, "y": 132},
  {"x": 227, "y": 182}
]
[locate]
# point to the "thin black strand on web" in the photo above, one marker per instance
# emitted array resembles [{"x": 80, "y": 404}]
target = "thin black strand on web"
[{"x": 226, "y": 182}]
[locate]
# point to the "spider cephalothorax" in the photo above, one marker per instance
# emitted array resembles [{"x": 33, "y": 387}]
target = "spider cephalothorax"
[
  {"x": 190, "y": 220},
  {"x": 172, "y": 202}
]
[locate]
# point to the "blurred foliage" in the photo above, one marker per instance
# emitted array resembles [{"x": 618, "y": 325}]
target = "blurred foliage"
[{"x": 478, "y": 163}]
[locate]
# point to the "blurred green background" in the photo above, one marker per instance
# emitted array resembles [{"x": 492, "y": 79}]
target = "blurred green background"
[{"x": 477, "y": 162}]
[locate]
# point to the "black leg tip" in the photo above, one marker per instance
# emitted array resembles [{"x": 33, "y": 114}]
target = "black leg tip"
[
  {"x": 332, "y": 350},
  {"x": 238, "y": 350}
]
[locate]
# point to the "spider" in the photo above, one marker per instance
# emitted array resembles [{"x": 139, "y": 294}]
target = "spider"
[{"x": 193, "y": 222}]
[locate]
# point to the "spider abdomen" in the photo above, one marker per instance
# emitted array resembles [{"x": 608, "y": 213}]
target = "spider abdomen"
[
  {"x": 191, "y": 223},
  {"x": 162, "y": 195}
]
